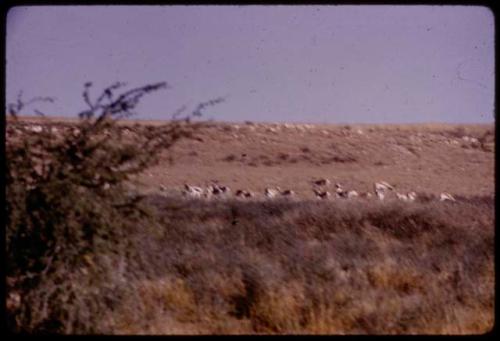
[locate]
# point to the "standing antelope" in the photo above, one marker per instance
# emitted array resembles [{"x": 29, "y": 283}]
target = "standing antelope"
[
  {"x": 446, "y": 196},
  {"x": 321, "y": 182},
  {"x": 193, "y": 191},
  {"x": 272, "y": 193},
  {"x": 244, "y": 194},
  {"x": 288, "y": 193},
  {"x": 411, "y": 196},
  {"x": 381, "y": 189},
  {"x": 321, "y": 194}
]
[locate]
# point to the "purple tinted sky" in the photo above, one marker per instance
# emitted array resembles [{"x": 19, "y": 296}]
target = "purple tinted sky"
[{"x": 331, "y": 64}]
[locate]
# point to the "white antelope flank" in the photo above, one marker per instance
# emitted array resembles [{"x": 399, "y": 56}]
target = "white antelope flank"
[
  {"x": 381, "y": 188},
  {"x": 446, "y": 197},
  {"x": 193, "y": 191}
]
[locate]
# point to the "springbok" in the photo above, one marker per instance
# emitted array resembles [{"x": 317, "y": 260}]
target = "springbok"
[
  {"x": 381, "y": 189},
  {"x": 403, "y": 197},
  {"x": 193, "y": 191},
  {"x": 272, "y": 193},
  {"x": 321, "y": 194},
  {"x": 365, "y": 195},
  {"x": 216, "y": 189},
  {"x": 288, "y": 193},
  {"x": 225, "y": 189},
  {"x": 346, "y": 194},
  {"x": 383, "y": 186},
  {"x": 411, "y": 196},
  {"x": 339, "y": 190},
  {"x": 352, "y": 194},
  {"x": 446, "y": 196},
  {"x": 243, "y": 194},
  {"x": 208, "y": 192},
  {"x": 321, "y": 182}
]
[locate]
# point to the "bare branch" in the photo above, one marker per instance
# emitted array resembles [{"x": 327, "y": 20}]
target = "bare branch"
[
  {"x": 108, "y": 92},
  {"x": 178, "y": 112},
  {"x": 203, "y": 105},
  {"x": 41, "y": 99},
  {"x": 39, "y": 113},
  {"x": 15, "y": 108},
  {"x": 86, "y": 96}
]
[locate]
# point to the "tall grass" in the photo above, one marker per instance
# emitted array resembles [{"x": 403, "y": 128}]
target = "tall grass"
[{"x": 318, "y": 268}]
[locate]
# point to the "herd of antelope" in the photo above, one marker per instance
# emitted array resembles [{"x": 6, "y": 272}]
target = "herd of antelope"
[{"x": 319, "y": 188}]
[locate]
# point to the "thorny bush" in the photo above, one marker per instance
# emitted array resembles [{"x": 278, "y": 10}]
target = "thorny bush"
[{"x": 69, "y": 214}]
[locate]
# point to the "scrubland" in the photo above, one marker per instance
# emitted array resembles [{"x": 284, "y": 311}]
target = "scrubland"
[
  {"x": 279, "y": 266},
  {"x": 315, "y": 268},
  {"x": 233, "y": 267}
]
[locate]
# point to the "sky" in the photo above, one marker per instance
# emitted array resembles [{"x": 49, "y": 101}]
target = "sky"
[{"x": 316, "y": 64}]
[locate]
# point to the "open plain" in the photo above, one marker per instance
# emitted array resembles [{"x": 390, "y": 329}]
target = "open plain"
[
  {"x": 427, "y": 158},
  {"x": 458, "y": 159}
]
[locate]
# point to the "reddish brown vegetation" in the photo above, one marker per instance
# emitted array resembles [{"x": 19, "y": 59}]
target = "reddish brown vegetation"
[
  {"x": 314, "y": 267},
  {"x": 343, "y": 267}
]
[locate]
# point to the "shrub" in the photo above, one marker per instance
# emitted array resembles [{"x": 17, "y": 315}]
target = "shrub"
[
  {"x": 457, "y": 132},
  {"x": 70, "y": 219}
]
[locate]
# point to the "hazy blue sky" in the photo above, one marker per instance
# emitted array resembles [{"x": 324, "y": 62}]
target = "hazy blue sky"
[{"x": 332, "y": 64}]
